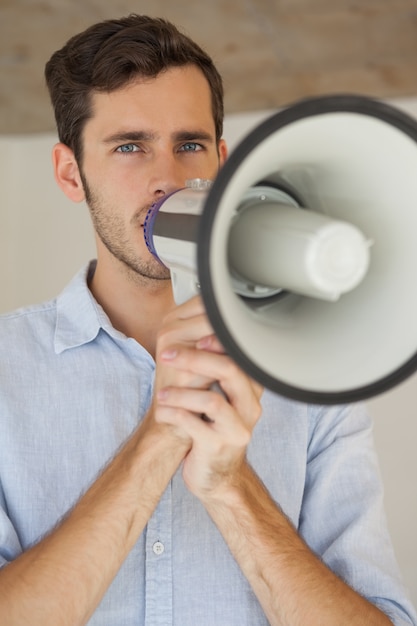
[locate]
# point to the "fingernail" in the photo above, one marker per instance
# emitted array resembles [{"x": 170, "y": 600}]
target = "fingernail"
[
  {"x": 162, "y": 394},
  {"x": 204, "y": 342},
  {"x": 168, "y": 355}
]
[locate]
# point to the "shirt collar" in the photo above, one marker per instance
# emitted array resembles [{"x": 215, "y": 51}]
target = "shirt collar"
[{"x": 79, "y": 316}]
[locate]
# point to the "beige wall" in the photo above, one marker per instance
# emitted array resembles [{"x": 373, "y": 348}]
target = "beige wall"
[
  {"x": 268, "y": 52},
  {"x": 44, "y": 239}
]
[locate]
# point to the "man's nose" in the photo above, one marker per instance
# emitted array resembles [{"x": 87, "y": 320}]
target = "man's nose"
[{"x": 167, "y": 176}]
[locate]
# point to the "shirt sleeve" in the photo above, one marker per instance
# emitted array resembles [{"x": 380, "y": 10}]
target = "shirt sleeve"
[
  {"x": 10, "y": 546},
  {"x": 342, "y": 517}
]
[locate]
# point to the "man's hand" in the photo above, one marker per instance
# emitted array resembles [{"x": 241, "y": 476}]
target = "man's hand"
[{"x": 190, "y": 362}]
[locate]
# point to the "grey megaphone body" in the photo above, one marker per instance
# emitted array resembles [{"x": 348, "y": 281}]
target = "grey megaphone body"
[{"x": 304, "y": 249}]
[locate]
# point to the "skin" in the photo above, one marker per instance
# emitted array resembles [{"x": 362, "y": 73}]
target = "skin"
[
  {"x": 166, "y": 127},
  {"x": 128, "y": 165}
]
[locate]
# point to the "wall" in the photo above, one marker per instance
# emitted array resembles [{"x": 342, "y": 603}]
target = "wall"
[
  {"x": 44, "y": 239},
  {"x": 268, "y": 52}
]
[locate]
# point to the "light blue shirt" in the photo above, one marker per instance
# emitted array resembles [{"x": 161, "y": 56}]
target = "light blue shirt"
[{"x": 72, "y": 389}]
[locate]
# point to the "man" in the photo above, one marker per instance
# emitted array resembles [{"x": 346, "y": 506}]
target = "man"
[{"x": 119, "y": 504}]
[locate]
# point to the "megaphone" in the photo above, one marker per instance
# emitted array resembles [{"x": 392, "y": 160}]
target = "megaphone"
[{"x": 304, "y": 249}]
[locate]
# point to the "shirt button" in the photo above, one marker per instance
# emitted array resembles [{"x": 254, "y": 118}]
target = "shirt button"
[{"x": 158, "y": 547}]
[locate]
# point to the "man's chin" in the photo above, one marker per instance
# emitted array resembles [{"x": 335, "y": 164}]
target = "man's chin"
[{"x": 151, "y": 272}]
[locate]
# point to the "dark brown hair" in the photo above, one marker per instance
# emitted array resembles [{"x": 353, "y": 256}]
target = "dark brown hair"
[{"x": 110, "y": 54}]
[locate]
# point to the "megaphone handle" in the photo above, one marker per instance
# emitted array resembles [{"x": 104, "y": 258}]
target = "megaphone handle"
[
  {"x": 184, "y": 284},
  {"x": 184, "y": 287}
]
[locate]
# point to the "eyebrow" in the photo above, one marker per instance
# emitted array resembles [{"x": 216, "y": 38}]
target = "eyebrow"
[
  {"x": 141, "y": 135},
  {"x": 197, "y": 135}
]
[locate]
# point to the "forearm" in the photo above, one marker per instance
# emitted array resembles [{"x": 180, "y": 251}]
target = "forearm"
[
  {"x": 62, "y": 579},
  {"x": 293, "y": 586}
]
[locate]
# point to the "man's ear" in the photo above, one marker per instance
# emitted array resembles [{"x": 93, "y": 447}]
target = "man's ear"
[
  {"x": 67, "y": 173},
  {"x": 222, "y": 152}
]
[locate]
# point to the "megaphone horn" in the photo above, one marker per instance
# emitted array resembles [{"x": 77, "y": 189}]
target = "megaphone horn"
[{"x": 304, "y": 250}]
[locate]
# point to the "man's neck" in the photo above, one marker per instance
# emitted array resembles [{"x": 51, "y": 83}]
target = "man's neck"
[{"x": 134, "y": 304}]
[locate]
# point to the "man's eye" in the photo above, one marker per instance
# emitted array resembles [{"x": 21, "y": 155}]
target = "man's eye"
[
  {"x": 127, "y": 147},
  {"x": 191, "y": 146}
]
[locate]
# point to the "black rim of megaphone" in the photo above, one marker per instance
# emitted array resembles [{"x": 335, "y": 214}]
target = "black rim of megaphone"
[{"x": 302, "y": 109}]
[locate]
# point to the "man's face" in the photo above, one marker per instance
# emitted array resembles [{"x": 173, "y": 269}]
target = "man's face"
[{"x": 144, "y": 141}]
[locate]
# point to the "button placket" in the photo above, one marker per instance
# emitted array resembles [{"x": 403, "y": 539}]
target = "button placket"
[{"x": 159, "y": 564}]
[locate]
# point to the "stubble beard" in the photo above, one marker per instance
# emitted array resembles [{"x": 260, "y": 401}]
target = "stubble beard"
[{"x": 111, "y": 231}]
